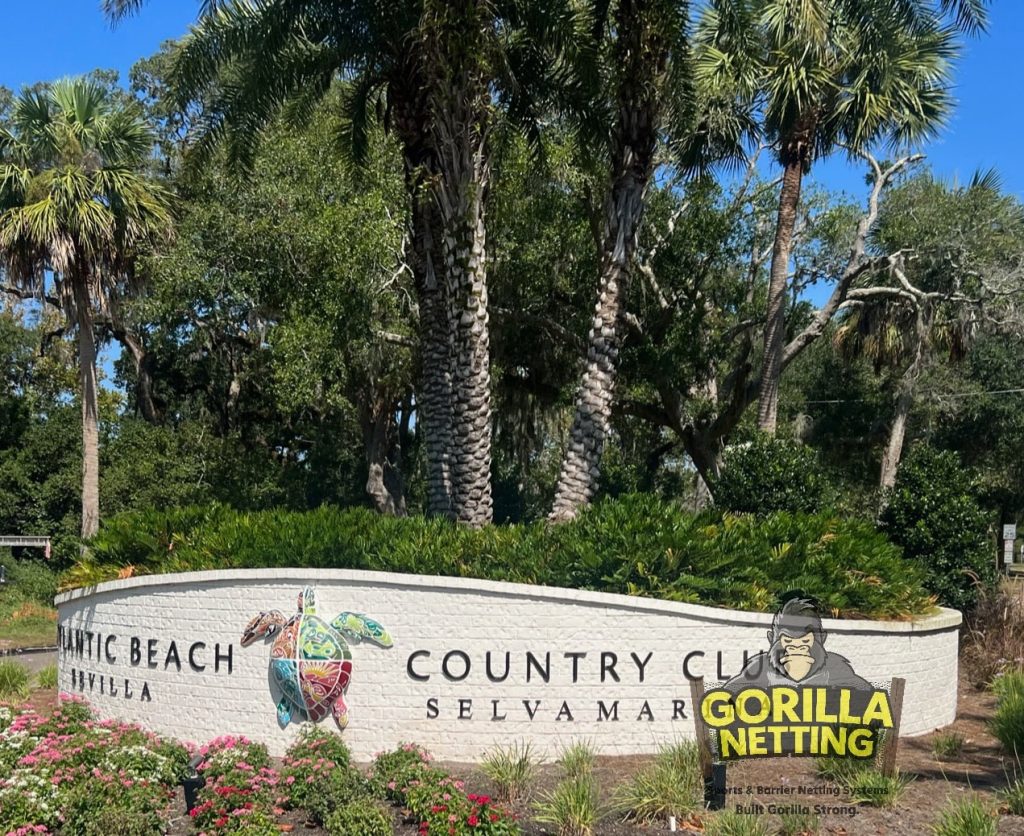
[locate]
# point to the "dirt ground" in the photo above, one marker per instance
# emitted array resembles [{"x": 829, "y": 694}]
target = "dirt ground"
[{"x": 982, "y": 767}]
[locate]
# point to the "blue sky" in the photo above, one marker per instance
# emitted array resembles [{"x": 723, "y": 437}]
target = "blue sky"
[{"x": 47, "y": 39}]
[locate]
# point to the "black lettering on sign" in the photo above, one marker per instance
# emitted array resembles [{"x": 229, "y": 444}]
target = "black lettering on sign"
[
  {"x": 678, "y": 710},
  {"x": 192, "y": 663},
  {"x": 575, "y": 663},
  {"x": 136, "y": 650},
  {"x": 564, "y": 713},
  {"x": 532, "y": 664},
  {"x": 465, "y": 709},
  {"x": 446, "y": 669},
  {"x": 416, "y": 654},
  {"x": 608, "y": 662},
  {"x": 605, "y": 713},
  {"x": 111, "y": 658},
  {"x": 432, "y": 711},
  {"x": 490, "y": 674},
  {"x": 172, "y": 655},
  {"x": 531, "y": 711},
  {"x": 219, "y": 657},
  {"x": 645, "y": 712},
  {"x": 151, "y": 653},
  {"x": 494, "y": 711},
  {"x": 144, "y": 696}
]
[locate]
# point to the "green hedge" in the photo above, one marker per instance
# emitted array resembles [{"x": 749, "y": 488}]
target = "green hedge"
[{"x": 637, "y": 545}]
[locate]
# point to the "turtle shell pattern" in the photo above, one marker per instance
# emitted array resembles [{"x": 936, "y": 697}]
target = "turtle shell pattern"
[{"x": 312, "y": 664}]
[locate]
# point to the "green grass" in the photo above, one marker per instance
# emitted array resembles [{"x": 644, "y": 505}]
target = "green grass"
[
  {"x": 731, "y": 823},
  {"x": 799, "y": 824},
  {"x": 13, "y": 680},
  {"x": 948, "y": 745},
  {"x": 27, "y": 615},
  {"x": 871, "y": 787},
  {"x": 1013, "y": 797},
  {"x": 670, "y": 786},
  {"x": 513, "y": 769},
  {"x": 577, "y": 760},
  {"x": 47, "y": 677},
  {"x": 572, "y": 807},
  {"x": 969, "y": 817}
]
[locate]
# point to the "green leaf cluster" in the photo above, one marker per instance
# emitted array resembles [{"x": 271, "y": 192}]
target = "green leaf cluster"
[{"x": 636, "y": 545}]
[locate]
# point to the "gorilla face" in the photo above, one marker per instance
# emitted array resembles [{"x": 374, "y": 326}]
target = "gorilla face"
[{"x": 797, "y": 656}]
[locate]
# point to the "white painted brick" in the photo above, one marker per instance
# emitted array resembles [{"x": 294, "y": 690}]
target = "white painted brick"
[{"x": 442, "y": 614}]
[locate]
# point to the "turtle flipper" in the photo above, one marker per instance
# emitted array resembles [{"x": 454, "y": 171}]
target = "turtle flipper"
[
  {"x": 357, "y": 627},
  {"x": 284, "y": 712},
  {"x": 340, "y": 711}
]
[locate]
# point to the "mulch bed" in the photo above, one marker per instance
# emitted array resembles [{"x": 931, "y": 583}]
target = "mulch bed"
[{"x": 982, "y": 767}]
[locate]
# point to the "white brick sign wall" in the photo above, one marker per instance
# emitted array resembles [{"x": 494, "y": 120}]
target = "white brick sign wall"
[{"x": 474, "y": 663}]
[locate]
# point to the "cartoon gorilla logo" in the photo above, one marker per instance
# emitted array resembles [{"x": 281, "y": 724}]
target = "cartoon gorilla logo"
[{"x": 797, "y": 655}]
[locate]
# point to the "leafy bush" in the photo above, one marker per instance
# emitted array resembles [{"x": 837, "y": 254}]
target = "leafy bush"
[
  {"x": 968, "y": 817},
  {"x": 671, "y": 786},
  {"x": 993, "y": 641},
  {"x": 872, "y": 787},
  {"x": 637, "y": 545},
  {"x": 770, "y": 474},
  {"x": 361, "y": 816},
  {"x": 933, "y": 515},
  {"x": 317, "y": 776}
]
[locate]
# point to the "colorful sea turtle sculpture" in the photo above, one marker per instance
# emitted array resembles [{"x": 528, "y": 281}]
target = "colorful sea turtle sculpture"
[{"x": 310, "y": 659}]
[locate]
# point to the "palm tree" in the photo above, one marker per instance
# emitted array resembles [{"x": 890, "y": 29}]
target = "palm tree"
[
  {"x": 647, "y": 56},
  {"x": 435, "y": 72},
  {"x": 74, "y": 205},
  {"x": 825, "y": 74}
]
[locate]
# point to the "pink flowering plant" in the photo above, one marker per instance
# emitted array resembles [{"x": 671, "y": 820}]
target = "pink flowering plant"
[
  {"x": 316, "y": 775},
  {"x": 393, "y": 770},
  {"x": 242, "y": 791},
  {"x": 64, "y": 771}
]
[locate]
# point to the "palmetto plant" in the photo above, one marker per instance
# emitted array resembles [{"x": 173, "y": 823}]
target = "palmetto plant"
[
  {"x": 439, "y": 74},
  {"x": 822, "y": 75},
  {"x": 75, "y": 209}
]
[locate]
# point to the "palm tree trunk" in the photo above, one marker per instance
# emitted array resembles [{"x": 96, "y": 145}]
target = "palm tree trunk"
[
  {"x": 90, "y": 415},
  {"x": 435, "y": 391},
  {"x": 642, "y": 50},
  {"x": 463, "y": 195},
  {"x": 460, "y": 113},
  {"x": 434, "y": 394},
  {"x": 775, "y": 325},
  {"x": 581, "y": 465}
]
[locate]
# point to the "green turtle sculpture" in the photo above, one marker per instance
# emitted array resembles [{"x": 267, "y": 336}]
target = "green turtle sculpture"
[{"x": 310, "y": 659}]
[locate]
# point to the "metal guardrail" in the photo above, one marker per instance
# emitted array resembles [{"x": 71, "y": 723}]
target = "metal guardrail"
[{"x": 9, "y": 541}]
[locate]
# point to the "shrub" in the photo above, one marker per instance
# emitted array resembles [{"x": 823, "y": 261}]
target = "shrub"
[
  {"x": 577, "y": 759},
  {"x": 572, "y": 807},
  {"x": 361, "y": 816},
  {"x": 671, "y": 786},
  {"x": 1012, "y": 797},
  {"x": 948, "y": 745},
  {"x": 393, "y": 770},
  {"x": 13, "y": 680},
  {"x": 799, "y": 824},
  {"x": 1007, "y": 724},
  {"x": 993, "y": 640},
  {"x": 770, "y": 474},
  {"x": 872, "y": 787},
  {"x": 636, "y": 545},
  {"x": 47, "y": 677},
  {"x": 513, "y": 770},
  {"x": 731, "y": 823},
  {"x": 934, "y": 517},
  {"x": 969, "y": 817}
]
